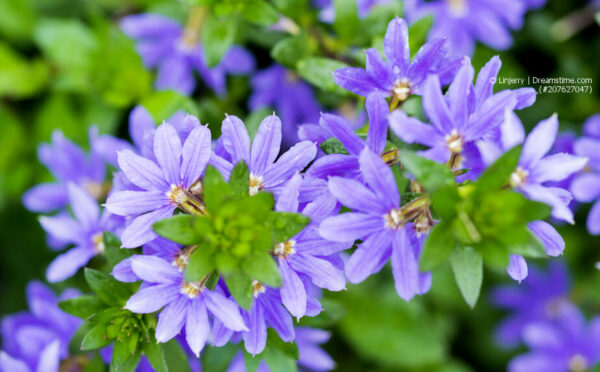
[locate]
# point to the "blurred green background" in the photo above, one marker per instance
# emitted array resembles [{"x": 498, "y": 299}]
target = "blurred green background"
[{"x": 65, "y": 65}]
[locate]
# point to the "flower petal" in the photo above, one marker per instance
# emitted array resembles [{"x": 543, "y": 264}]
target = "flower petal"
[
  {"x": 322, "y": 272},
  {"x": 426, "y": 60},
  {"x": 355, "y": 195},
  {"x": 586, "y": 187},
  {"x": 142, "y": 172},
  {"x": 350, "y": 226},
  {"x": 379, "y": 70},
  {"x": 369, "y": 257},
  {"x": 195, "y": 155},
  {"x": 140, "y": 231},
  {"x": 266, "y": 144},
  {"x": 130, "y": 203},
  {"x": 140, "y": 121},
  {"x": 593, "y": 220},
  {"x": 278, "y": 317},
  {"x": 255, "y": 339},
  {"x": 154, "y": 269},
  {"x": 459, "y": 91},
  {"x": 517, "y": 267},
  {"x": 197, "y": 327},
  {"x": 412, "y": 130},
  {"x": 46, "y": 197},
  {"x": 293, "y": 293},
  {"x": 557, "y": 167},
  {"x": 334, "y": 165},
  {"x": 380, "y": 179},
  {"x": 490, "y": 115},
  {"x": 152, "y": 298},
  {"x": 167, "y": 149},
  {"x": 435, "y": 105},
  {"x": 293, "y": 160},
  {"x": 395, "y": 44},
  {"x": 66, "y": 265},
  {"x": 405, "y": 266},
  {"x": 539, "y": 141},
  {"x": 378, "y": 111},
  {"x": 172, "y": 318},
  {"x": 342, "y": 130},
  {"x": 63, "y": 227},
  {"x": 226, "y": 310},
  {"x": 235, "y": 139},
  {"x": 355, "y": 79},
  {"x": 553, "y": 242},
  {"x": 49, "y": 358}
]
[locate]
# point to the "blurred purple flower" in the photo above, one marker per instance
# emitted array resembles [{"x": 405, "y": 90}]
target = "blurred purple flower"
[
  {"x": 36, "y": 341},
  {"x": 84, "y": 230},
  {"x": 164, "y": 44},
  {"x": 163, "y": 187},
  {"x": 266, "y": 173},
  {"x": 540, "y": 297},
  {"x": 68, "y": 163},
  {"x": 185, "y": 303},
  {"x": 565, "y": 344},
  {"x": 398, "y": 77},
  {"x": 312, "y": 357},
  {"x": 291, "y": 97},
  {"x": 378, "y": 223},
  {"x": 586, "y": 187},
  {"x": 464, "y": 22}
]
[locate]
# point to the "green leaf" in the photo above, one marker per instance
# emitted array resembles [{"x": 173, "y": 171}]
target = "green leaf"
[
  {"x": 200, "y": 265},
  {"x": 262, "y": 267},
  {"x": 285, "y": 225},
  {"x": 20, "y": 77},
  {"x": 112, "y": 249},
  {"x": 346, "y": 19},
  {"x": 291, "y": 50},
  {"x": 240, "y": 286},
  {"x": 218, "y": 359},
  {"x": 467, "y": 266},
  {"x": 418, "y": 33},
  {"x": 439, "y": 245},
  {"x": 129, "y": 365},
  {"x": 251, "y": 362},
  {"x": 291, "y": 7},
  {"x": 498, "y": 174},
  {"x": 494, "y": 254},
  {"x": 319, "y": 72},
  {"x": 108, "y": 289},
  {"x": 375, "y": 23},
  {"x": 179, "y": 228},
  {"x": 333, "y": 146},
  {"x": 260, "y": 13},
  {"x": 445, "y": 201},
  {"x": 216, "y": 190},
  {"x": 217, "y": 37},
  {"x": 277, "y": 360},
  {"x": 82, "y": 306},
  {"x": 433, "y": 176},
  {"x": 95, "y": 338},
  {"x": 156, "y": 356},
  {"x": 176, "y": 359},
  {"x": 290, "y": 349},
  {"x": 163, "y": 104},
  {"x": 239, "y": 179}
]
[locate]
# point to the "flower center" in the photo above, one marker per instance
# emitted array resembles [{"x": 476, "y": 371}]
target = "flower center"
[
  {"x": 283, "y": 250},
  {"x": 423, "y": 222},
  {"x": 457, "y": 8},
  {"x": 518, "y": 177},
  {"x": 401, "y": 90},
  {"x": 454, "y": 142},
  {"x": 257, "y": 288},
  {"x": 98, "y": 242},
  {"x": 187, "y": 201},
  {"x": 182, "y": 258},
  {"x": 255, "y": 184},
  {"x": 393, "y": 219},
  {"x": 191, "y": 289},
  {"x": 391, "y": 157},
  {"x": 97, "y": 190},
  {"x": 578, "y": 363}
]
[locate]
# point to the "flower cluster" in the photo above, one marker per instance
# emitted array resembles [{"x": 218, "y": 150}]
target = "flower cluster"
[{"x": 216, "y": 237}]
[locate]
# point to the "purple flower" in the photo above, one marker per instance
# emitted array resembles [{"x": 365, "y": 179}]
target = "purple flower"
[
  {"x": 68, "y": 163},
  {"x": 164, "y": 44},
  {"x": 293, "y": 99},
  {"x": 306, "y": 255},
  {"x": 36, "y": 341},
  {"x": 163, "y": 185},
  {"x": 586, "y": 187},
  {"x": 460, "y": 119},
  {"x": 265, "y": 172},
  {"x": 398, "y": 77},
  {"x": 566, "y": 344},
  {"x": 347, "y": 165},
  {"x": 379, "y": 224},
  {"x": 84, "y": 231},
  {"x": 464, "y": 22},
  {"x": 540, "y": 297},
  {"x": 312, "y": 357},
  {"x": 266, "y": 311},
  {"x": 185, "y": 303}
]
